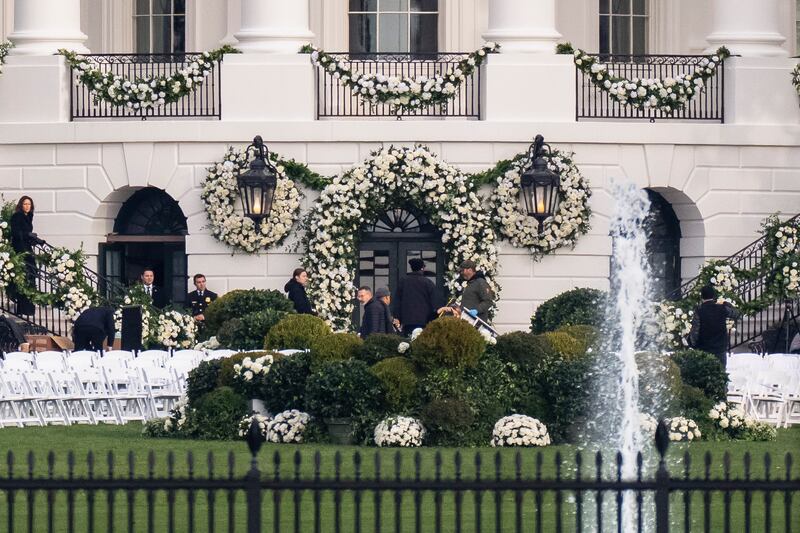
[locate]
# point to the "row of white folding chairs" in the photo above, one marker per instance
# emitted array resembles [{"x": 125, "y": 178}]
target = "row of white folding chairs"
[{"x": 767, "y": 388}]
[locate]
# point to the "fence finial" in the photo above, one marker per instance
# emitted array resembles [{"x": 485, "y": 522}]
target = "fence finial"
[
  {"x": 662, "y": 438},
  {"x": 254, "y": 437}
]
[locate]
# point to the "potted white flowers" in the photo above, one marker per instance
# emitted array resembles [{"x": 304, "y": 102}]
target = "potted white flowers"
[
  {"x": 402, "y": 431},
  {"x": 683, "y": 429},
  {"x": 288, "y": 427},
  {"x": 520, "y": 430}
]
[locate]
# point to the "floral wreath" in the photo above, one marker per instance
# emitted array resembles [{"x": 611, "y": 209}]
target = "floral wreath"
[
  {"x": 667, "y": 94},
  {"x": 147, "y": 92},
  {"x": 796, "y": 78},
  {"x": 5, "y": 47},
  {"x": 390, "y": 177},
  {"x": 522, "y": 230},
  {"x": 404, "y": 93},
  {"x": 239, "y": 232}
]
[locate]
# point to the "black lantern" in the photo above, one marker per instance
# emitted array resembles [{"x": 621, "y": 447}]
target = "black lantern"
[
  {"x": 257, "y": 184},
  {"x": 539, "y": 185}
]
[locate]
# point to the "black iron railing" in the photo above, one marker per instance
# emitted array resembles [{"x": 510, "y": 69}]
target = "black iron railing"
[
  {"x": 203, "y": 102},
  {"x": 336, "y": 100},
  {"x": 581, "y": 496},
  {"x": 594, "y": 103},
  {"x": 749, "y": 328}
]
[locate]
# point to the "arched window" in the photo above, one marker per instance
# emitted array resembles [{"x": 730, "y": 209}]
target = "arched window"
[
  {"x": 663, "y": 246},
  {"x": 150, "y": 211}
]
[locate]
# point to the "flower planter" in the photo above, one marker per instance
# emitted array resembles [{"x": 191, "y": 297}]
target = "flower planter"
[
  {"x": 257, "y": 406},
  {"x": 340, "y": 430}
]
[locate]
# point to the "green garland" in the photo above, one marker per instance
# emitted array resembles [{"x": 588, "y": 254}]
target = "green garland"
[
  {"x": 299, "y": 172},
  {"x": 5, "y": 47},
  {"x": 148, "y": 92},
  {"x": 796, "y": 78}
]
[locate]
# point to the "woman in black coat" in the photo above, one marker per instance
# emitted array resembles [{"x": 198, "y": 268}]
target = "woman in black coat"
[
  {"x": 22, "y": 240},
  {"x": 296, "y": 289}
]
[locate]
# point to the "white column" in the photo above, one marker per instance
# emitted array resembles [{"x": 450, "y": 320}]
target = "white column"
[
  {"x": 527, "y": 26},
  {"x": 234, "y": 14},
  {"x": 274, "y": 26},
  {"x": 41, "y": 27},
  {"x": 748, "y": 28}
]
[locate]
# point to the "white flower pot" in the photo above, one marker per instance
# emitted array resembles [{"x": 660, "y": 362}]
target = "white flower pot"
[{"x": 257, "y": 406}]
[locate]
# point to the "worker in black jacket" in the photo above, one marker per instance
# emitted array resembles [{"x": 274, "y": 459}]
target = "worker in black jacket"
[
  {"x": 414, "y": 300},
  {"x": 709, "y": 329},
  {"x": 92, "y": 327},
  {"x": 296, "y": 291},
  {"x": 377, "y": 318}
]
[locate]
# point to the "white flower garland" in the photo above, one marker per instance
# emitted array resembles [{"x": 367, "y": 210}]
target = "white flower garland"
[
  {"x": 5, "y": 47},
  {"x": 791, "y": 278},
  {"x": 788, "y": 242},
  {"x": 404, "y": 93},
  {"x": 288, "y": 427},
  {"x": 683, "y": 429},
  {"x": 563, "y": 229},
  {"x": 176, "y": 330},
  {"x": 723, "y": 279},
  {"x": 147, "y": 92},
  {"x": 667, "y": 95},
  {"x": 402, "y": 431},
  {"x": 76, "y": 301},
  {"x": 520, "y": 430},
  {"x": 9, "y": 265},
  {"x": 391, "y": 176},
  {"x": 676, "y": 324},
  {"x": 219, "y": 197}
]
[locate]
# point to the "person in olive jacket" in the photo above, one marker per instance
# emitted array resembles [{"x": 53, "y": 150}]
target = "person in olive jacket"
[
  {"x": 296, "y": 291},
  {"x": 22, "y": 241},
  {"x": 414, "y": 300},
  {"x": 478, "y": 297}
]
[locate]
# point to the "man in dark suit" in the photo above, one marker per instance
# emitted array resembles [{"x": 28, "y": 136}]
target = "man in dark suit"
[
  {"x": 155, "y": 293},
  {"x": 709, "y": 329},
  {"x": 92, "y": 327},
  {"x": 414, "y": 304},
  {"x": 198, "y": 300},
  {"x": 377, "y": 318}
]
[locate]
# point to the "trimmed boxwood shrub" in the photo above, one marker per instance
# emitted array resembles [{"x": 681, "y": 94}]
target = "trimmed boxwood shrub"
[
  {"x": 285, "y": 384},
  {"x": 216, "y": 415},
  {"x": 202, "y": 379},
  {"x": 576, "y": 306},
  {"x": 587, "y": 335},
  {"x": 248, "y": 332},
  {"x": 335, "y": 347},
  {"x": 379, "y": 346},
  {"x": 448, "y": 421},
  {"x": 523, "y": 349},
  {"x": 296, "y": 332},
  {"x": 399, "y": 380},
  {"x": 695, "y": 404},
  {"x": 448, "y": 342},
  {"x": 343, "y": 389},
  {"x": 565, "y": 344},
  {"x": 659, "y": 383},
  {"x": 238, "y": 303},
  {"x": 704, "y": 371}
]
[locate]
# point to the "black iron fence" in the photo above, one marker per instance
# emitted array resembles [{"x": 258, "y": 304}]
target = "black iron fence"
[
  {"x": 586, "y": 496},
  {"x": 336, "y": 100},
  {"x": 203, "y": 102},
  {"x": 594, "y": 103}
]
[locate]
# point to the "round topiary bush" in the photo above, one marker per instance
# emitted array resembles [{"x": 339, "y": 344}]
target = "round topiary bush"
[
  {"x": 343, "y": 389},
  {"x": 296, "y": 332},
  {"x": 565, "y": 345},
  {"x": 238, "y": 303},
  {"x": 576, "y": 306},
  {"x": 202, "y": 379},
  {"x": 379, "y": 346},
  {"x": 659, "y": 383},
  {"x": 335, "y": 347},
  {"x": 399, "y": 380},
  {"x": 587, "y": 335},
  {"x": 523, "y": 349},
  {"x": 448, "y": 421},
  {"x": 248, "y": 332},
  {"x": 216, "y": 415},
  {"x": 285, "y": 385},
  {"x": 695, "y": 404},
  {"x": 704, "y": 371},
  {"x": 448, "y": 342}
]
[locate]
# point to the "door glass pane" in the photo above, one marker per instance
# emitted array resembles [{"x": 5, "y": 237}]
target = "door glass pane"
[
  {"x": 604, "y": 34},
  {"x": 603, "y": 7},
  {"x": 429, "y": 256},
  {"x": 394, "y": 33},
  {"x": 363, "y": 5},
  {"x": 162, "y": 34},
  {"x": 621, "y": 36},
  {"x": 143, "y": 35},
  {"x": 179, "y": 7},
  {"x": 142, "y": 7},
  {"x": 394, "y": 5},
  {"x": 424, "y": 5},
  {"x": 162, "y": 7},
  {"x": 639, "y": 35},
  {"x": 640, "y": 7},
  {"x": 363, "y": 34},
  {"x": 373, "y": 270},
  {"x": 179, "y": 34},
  {"x": 424, "y": 34},
  {"x": 621, "y": 7}
]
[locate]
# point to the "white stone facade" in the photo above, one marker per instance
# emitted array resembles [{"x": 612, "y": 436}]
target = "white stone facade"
[{"x": 721, "y": 179}]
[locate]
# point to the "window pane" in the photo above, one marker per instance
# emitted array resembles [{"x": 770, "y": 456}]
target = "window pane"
[
  {"x": 620, "y": 7},
  {"x": 604, "y": 34},
  {"x": 604, "y": 7},
  {"x": 142, "y": 35},
  {"x": 393, "y": 33},
  {"x": 179, "y": 34},
  {"x": 639, "y": 35},
  {"x": 394, "y": 5},
  {"x": 363, "y": 34},
  {"x": 363, "y": 5},
  {"x": 161, "y": 35},
  {"x": 142, "y": 7},
  {"x": 640, "y": 7},
  {"x": 424, "y": 34},
  {"x": 620, "y": 35},
  {"x": 179, "y": 7},
  {"x": 424, "y": 5},
  {"x": 162, "y": 7}
]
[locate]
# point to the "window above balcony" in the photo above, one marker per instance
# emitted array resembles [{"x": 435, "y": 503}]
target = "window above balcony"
[
  {"x": 624, "y": 27},
  {"x": 406, "y": 26},
  {"x": 160, "y": 26}
]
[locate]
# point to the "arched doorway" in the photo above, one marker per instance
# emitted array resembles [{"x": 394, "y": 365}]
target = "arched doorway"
[
  {"x": 149, "y": 231},
  {"x": 663, "y": 246},
  {"x": 386, "y": 246}
]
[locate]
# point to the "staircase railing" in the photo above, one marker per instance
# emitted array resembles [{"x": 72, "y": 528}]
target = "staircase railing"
[
  {"x": 51, "y": 318},
  {"x": 751, "y": 327}
]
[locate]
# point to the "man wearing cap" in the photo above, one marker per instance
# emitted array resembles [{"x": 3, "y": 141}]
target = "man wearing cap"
[
  {"x": 478, "y": 297},
  {"x": 377, "y": 318},
  {"x": 709, "y": 324},
  {"x": 413, "y": 302}
]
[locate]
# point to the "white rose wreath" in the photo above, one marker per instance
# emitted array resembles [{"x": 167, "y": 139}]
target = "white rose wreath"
[
  {"x": 229, "y": 225},
  {"x": 564, "y": 228}
]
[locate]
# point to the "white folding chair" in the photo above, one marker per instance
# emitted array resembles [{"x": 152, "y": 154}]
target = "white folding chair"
[
  {"x": 17, "y": 404},
  {"x": 162, "y": 388},
  {"x": 127, "y": 394},
  {"x": 50, "y": 361},
  {"x": 290, "y": 351},
  {"x": 81, "y": 360},
  {"x": 93, "y": 385},
  {"x": 45, "y": 397},
  {"x": 218, "y": 354},
  {"x": 194, "y": 354},
  {"x": 74, "y": 399},
  {"x": 116, "y": 356},
  {"x": 21, "y": 361}
]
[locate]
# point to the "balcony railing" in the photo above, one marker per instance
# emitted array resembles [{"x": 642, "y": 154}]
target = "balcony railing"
[
  {"x": 204, "y": 102},
  {"x": 594, "y": 103},
  {"x": 336, "y": 100}
]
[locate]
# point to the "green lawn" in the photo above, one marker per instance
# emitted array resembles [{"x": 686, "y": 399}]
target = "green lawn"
[{"x": 120, "y": 440}]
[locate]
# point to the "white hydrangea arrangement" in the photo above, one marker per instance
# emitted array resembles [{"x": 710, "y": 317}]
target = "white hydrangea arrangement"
[
  {"x": 791, "y": 277},
  {"x": 177, "y": 415},
  {"x": 723, "y": 278},
  {"x": 683, "y": 429},
  {"x": 563, "y": 229},
  {"x": 648, "y": 424},
  {"x": 519, "y": 430},
  {"x": 9, "y": 265},
  {"x": 143, "y": 93},
  {"x": 447, "y": 197},
  {"x": 288, "y": 427},
  {"x": 176, "y": 329},
  {"x": 675, "y": 324},
  {"x": 403, "y": 346},
  {"x": 729, "y": 418},
  {"x": 787, "y": 241},
  {"x": 63, "y": 265},
  {"x": 402, "y": 431},
  {"x": 76, "y": 301},
  {"x": 403, "y": 93},
  {"x": 248, "y": 376},
  {"x": 229, "y": 226},
  {"x": 759, "y": 431},
  {"x": 247, "y": 421}
]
